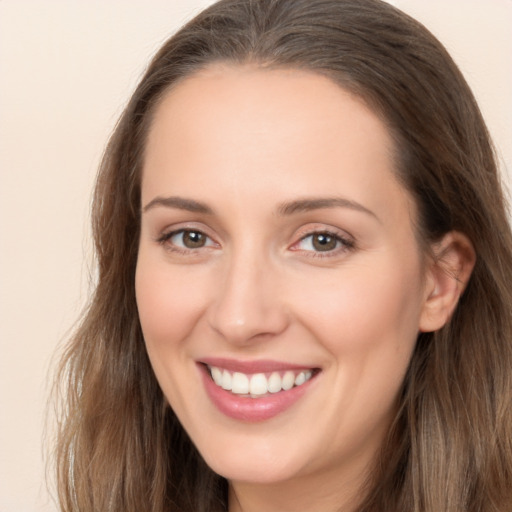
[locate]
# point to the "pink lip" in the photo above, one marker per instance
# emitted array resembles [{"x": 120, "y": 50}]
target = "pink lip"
[{"x": 252, "y": 409}]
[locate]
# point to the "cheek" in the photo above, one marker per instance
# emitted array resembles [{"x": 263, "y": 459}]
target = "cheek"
[
  {"x": 368, "y": 321},
  {"x": 170, "y": 303},
  {"x": 169, "y": 311}
]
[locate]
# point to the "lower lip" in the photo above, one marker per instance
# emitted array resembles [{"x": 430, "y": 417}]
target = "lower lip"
[{"x": 251, "y": 409}]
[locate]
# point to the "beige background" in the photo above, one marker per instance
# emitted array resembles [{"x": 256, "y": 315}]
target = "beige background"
[{"x": 66, "y": 70}]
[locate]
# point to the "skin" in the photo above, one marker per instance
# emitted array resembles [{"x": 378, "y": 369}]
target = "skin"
[{"x": 244, "y": 141}]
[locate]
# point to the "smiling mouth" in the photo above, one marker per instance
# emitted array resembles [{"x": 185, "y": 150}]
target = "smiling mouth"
[{"x": 259, "y": 385}]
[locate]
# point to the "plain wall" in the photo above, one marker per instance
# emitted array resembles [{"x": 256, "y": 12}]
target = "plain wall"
[{"x": 66, "y": 70}]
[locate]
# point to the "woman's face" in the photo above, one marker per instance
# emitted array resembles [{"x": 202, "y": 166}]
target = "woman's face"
[{"x": 277, "y": 254}]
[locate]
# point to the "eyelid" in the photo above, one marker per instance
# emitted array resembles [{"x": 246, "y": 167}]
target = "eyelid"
[
  {"x": 164, "y": 237},
  {"x": 346, "y": 240}
]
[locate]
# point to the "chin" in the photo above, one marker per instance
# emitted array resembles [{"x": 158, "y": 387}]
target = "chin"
[
  {"x": 259, "y": 465},
  {"x": 255, "y": 472}
]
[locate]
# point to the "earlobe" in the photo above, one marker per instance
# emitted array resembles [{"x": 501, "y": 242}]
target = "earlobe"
[{"x": 448, "y": 272}]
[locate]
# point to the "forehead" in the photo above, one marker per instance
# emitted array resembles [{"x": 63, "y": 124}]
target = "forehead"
[
  {"x": 253, "y": 98},
  {"x": 244, "y": 129}
]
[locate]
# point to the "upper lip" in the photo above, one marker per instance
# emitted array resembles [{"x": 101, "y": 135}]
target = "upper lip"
[{"x": 251, "y": 367}]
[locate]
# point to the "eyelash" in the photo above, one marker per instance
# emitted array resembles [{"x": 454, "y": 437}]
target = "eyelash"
[
  {"x": 164, "y": 240},
  {"x": 345, "y": 244}
]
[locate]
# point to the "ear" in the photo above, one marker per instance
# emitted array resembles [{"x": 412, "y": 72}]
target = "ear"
[{"x": 447, "y": 275}]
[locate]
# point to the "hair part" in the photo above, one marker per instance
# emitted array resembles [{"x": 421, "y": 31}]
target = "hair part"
[{"x": 121, "y": 447}]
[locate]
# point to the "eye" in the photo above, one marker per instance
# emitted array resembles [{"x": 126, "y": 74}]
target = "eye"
[
  {"x": 186, "y": 239},
  {"x": 323, "y": 241}
]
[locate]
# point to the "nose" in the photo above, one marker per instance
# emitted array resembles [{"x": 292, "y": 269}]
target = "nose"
[{"x": 248, "y": 305}]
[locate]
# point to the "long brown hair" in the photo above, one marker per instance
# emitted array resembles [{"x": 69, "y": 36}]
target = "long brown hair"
[{"x": 121, "y": 448}]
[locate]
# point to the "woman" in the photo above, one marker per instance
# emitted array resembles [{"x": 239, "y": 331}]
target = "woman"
[{"x": 303, "y": 297}]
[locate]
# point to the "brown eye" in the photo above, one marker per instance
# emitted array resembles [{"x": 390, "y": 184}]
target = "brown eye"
[
  {"x": 186, "y": 239},
  {"x": 193, "y": 239},
  {"x": 324, "y": 242}
]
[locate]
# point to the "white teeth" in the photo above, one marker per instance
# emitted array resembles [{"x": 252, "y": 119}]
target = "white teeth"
[
  {"x": 258, "y": 384},
  {"x": 226, "y": 380},
  {"x": 240, "y": 384},
  {"x": 275, "y": 383},
  {"x": 288, "y": 381},
  {"x": 300, "y": 379},
  {"x": 217, "y": 375}
]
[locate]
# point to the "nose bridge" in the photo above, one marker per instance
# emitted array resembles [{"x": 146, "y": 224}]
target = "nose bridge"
[{"x": 248, "y": 302}]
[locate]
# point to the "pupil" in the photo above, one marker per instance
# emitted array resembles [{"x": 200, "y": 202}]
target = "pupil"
[
  {"x": 193, "y": 239},
  {"x": 324, "y": 242}
]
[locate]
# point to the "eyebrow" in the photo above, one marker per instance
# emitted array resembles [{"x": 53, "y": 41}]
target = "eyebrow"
[
  {"x": 306, "y": 205},
  {"x": 179, "y": 203},
  {"x": 285, "y": 209}
]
